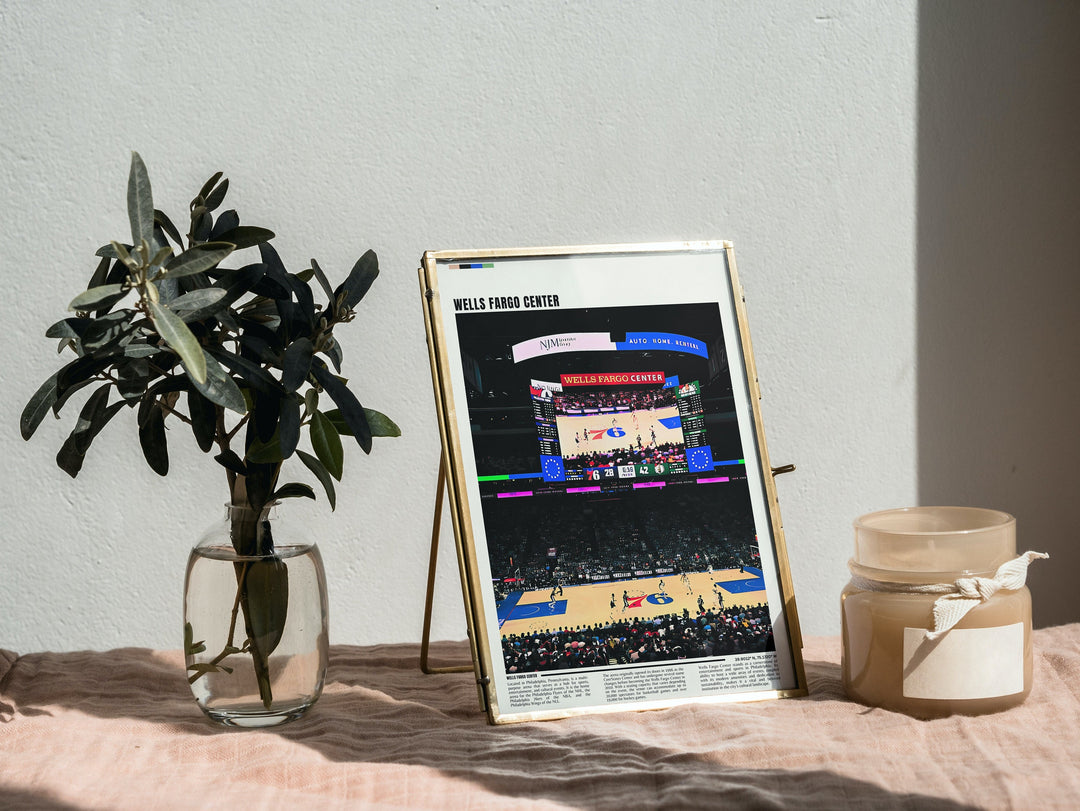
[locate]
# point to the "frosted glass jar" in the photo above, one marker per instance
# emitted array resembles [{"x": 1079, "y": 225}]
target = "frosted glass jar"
[{"x": 905, "y": 561}]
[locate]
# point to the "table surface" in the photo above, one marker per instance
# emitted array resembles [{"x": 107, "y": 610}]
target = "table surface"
[{"x": 119, "y": 729}]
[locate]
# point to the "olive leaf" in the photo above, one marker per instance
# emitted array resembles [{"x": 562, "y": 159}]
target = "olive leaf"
[
  {"x": 322, "y": 474},
  {"x": 140, "y": 202},
  {"x": 98, "y": 297},
  {"x": 326, "y": 443},
  {"x": 197, "y": 259},
  {"x": 180, "y": 338},
  {"x": 360, "y": 279}
]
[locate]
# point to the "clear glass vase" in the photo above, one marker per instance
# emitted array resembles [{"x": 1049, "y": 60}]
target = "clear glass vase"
[{"x": 255, "y": 620}]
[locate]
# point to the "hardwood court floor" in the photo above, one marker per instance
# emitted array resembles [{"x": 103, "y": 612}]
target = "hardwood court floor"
[
  {"x": 590, "y": 603},
  {"x": 614, "y": 432}
]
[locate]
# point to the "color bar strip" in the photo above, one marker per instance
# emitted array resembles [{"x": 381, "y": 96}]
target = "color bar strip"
[
  {"x": 730, "y": 462},
  {"x": 472, "y": 265}
]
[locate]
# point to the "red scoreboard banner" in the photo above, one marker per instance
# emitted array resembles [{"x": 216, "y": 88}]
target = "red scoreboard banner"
[{"x": 614, "y": 379}]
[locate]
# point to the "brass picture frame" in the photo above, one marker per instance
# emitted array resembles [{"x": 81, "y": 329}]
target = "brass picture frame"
[{"x": 618, "y": 534}]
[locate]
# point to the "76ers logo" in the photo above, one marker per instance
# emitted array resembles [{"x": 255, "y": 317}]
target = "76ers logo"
[
  {"x": 614, "y": 433},
  {"x": 655, "y": 599}
]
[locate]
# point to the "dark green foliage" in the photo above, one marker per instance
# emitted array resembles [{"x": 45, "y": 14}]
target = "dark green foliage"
[
  {"x": 236, "y": 353},
  {"x": 162, "y": 317}
]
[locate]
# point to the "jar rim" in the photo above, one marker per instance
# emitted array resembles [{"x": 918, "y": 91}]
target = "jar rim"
[
  {"x": 951, "y": 520},
  {"x": 935, "y": 539}
]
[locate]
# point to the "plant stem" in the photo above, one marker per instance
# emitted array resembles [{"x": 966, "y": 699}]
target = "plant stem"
[{"x": 230, "y": 646}]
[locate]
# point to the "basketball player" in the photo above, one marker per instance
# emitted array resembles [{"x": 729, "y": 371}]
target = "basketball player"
[{"x": 685, "y": 578}]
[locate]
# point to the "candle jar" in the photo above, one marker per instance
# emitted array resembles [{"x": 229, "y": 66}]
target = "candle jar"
[{"x": 907, "y": 562}]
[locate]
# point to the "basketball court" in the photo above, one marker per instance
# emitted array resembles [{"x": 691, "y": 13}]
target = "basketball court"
[
  {"x": 590, "y": 603},
  {"x": 616, "y": 431}
]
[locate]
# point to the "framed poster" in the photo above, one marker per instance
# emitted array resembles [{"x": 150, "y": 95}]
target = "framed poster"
[{"x": 615, "y": 514}]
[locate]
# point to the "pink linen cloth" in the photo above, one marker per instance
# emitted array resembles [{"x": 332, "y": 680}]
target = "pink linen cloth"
[{"x": 119, "y": 730}]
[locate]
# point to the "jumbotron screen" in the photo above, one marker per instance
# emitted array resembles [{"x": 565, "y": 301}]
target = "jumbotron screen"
[{"x": 618, "y": 425}]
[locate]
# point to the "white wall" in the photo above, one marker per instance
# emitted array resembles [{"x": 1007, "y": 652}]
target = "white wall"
[{"x": 407, "y": 126}]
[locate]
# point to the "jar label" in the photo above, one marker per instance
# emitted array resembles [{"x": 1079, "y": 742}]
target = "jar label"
[{"x": 965, "y": 663}]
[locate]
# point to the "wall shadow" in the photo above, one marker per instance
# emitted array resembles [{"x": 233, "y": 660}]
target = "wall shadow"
[{"x": 999, "y": 274}]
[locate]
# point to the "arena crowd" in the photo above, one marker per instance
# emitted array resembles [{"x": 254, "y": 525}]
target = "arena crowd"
[{"x": 619, "y": 642}]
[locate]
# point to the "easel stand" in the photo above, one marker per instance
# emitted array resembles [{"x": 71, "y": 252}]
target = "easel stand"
[{"x": 436, "y": 525}]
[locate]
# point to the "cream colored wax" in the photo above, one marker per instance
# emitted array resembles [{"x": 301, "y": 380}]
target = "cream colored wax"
[{"x": 983, "y": 664}]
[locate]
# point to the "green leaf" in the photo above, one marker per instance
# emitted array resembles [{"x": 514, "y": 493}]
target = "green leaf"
[
  {"x": 245, "y": 236},
  {"x": 122, "y": 254},
  {"x": 264, "y": 453},
  {"x": 230, "y": 461},
  {"x": 226, "y": 221},
  {"x": 197, "y": 259},
  {"x": 220, "y": 388},
  {"x": 108, "y": 332},
  {"x": 177, "y": 335},
  {"x": 323, "y": 281},
  {"x": 141, "y": 350},
  {"x": 359, "y": 281},
  {"x": 98, "y": 297},
  {"x": 265, "y": 410},
  {"x": 191, "y": 303},
  {"x": 133, "y": 376},
  {"x": 75, "y": 375},
  {"x": 289, "y": 424},
  {"x": 293, "y": 490},
  {"x": 254, "y": 374},
  {"x": 322, "y": 474},
  {"x": 161, "y": 257},
  {"x": 214, "y": 198},
  {"x": 327, "y": 444},
  {"x": 92, "y": 418},
  {"x": 265, "y": 602},
  {"x": 162, "y": 219},
  {"x": 40, "y": 403},
  {"x": 296, "y": 363},
  {"x": 152, "y": 439},
  {"x": 191, "y": 647},
  {"x": 202, "y": 226},
  {"x": 236, "y": 284},
  {"x": 332, "y": 350},
  {"x": 100, "y": 274},
  {"x": 207, "y": 187},
  {"x": 109, "y": 251},
  {"x": 68, "y": 328},
  {"x": 203, "y": 416},
  {"x": 140, "y": 202},
  {"x": 351, "y": 409},
  {"x": 380, "y": 424}
]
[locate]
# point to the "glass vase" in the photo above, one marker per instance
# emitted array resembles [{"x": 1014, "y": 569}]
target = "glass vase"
[{"x": 255, "y": 620}]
